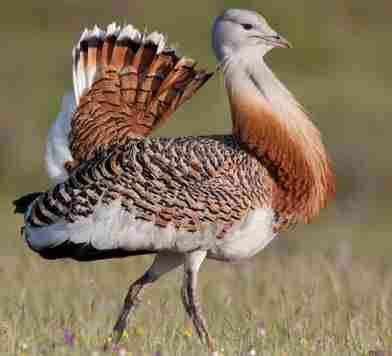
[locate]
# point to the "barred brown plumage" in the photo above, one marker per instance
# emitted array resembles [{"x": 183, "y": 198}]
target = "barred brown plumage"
[
  {"x": 118, "y": 193},
  {"x": 182, "y": 181},
  {"x": 137, "y": 85}
]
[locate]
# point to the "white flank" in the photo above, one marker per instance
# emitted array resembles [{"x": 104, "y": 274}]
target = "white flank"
[
  {"x": 111, "y": 227},
  {"x": 57, "y": 150},
  {"x": 246, "y": 238}
]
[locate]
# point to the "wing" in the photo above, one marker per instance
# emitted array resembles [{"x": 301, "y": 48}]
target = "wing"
[
  {"x": 126, "y": 83},
  {"x": 139, "y": 196}
]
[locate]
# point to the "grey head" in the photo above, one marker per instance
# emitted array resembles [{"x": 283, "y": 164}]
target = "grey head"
[{"x": 238, "y": 30}]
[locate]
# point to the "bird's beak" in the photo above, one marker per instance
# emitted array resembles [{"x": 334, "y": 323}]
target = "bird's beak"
[
  {"x": 274, "y": 41},
  {"x": 281, "y": 42}
]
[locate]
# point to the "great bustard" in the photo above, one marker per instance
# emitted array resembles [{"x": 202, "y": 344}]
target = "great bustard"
[{"x": 119, "y": 193}]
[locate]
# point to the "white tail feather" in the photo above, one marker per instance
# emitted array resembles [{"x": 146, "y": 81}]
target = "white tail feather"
[{"x": 57, "y": 148}]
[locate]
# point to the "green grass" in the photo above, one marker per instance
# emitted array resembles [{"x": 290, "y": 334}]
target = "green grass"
[{"x": 308, "y": 304}]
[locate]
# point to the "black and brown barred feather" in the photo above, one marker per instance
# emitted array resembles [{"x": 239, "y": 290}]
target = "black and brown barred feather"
[
  {"x": 186, "y": 182},
  {"x": 22, "y": 204},
  {"x": 129, "y": 83}
]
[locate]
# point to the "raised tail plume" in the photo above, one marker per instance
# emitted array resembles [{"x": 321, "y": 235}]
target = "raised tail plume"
[{"x": 126, "y": 84}]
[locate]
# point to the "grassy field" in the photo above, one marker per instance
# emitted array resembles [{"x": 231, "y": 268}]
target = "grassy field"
[
  {"x": 281, "y": 303},
  {"x": 323, "y": 289}
]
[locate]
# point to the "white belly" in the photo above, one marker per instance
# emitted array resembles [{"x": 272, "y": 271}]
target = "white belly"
[
  {"x": 111, "y": 227},
  {"x": 247, "y": 238}
]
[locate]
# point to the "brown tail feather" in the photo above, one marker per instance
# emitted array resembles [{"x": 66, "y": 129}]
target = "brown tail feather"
[{"x": 126, "y": 84}]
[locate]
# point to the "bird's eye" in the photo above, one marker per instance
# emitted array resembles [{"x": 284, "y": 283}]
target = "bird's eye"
[{"x": 246, "y": 26}]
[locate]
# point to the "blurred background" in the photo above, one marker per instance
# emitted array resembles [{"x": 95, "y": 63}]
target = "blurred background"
[{"x": 340, "y": 69}]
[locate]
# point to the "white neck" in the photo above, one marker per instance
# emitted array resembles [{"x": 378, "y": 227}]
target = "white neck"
[{"x": 247, "y": 71}]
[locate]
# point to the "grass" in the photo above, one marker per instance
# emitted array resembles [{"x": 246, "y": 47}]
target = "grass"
[{"x": 280, "y": 303}]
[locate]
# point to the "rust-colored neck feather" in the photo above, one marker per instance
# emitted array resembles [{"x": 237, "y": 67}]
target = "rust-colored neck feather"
[{"x": 271, "y": 123}]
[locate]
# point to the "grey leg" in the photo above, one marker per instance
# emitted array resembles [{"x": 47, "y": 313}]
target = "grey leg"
[
  {"x": 190, "y": 299},
  {"x": 131, "y": 301},
  {"x": 163, "y": 263}
]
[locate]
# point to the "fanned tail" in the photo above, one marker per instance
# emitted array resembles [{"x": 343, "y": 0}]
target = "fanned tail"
[{"x": 126, "y": 84}]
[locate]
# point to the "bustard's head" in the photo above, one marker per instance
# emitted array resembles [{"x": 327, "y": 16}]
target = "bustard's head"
[{"x": 243, "y": 30}]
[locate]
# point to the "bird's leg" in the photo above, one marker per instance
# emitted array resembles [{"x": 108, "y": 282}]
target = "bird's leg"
[
  {"x": 190, "y": 299},
  {"x": 163, "y": 263},
  {"x": 131, "y": 301}
]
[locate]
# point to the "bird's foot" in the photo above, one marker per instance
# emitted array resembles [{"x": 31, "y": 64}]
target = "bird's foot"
[
  {"x": 112, "y": 342},
  {"x": 216, "y": 353}
]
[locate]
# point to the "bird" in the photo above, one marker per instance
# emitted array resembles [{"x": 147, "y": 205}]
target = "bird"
[{"x": 118, "y": 192}]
